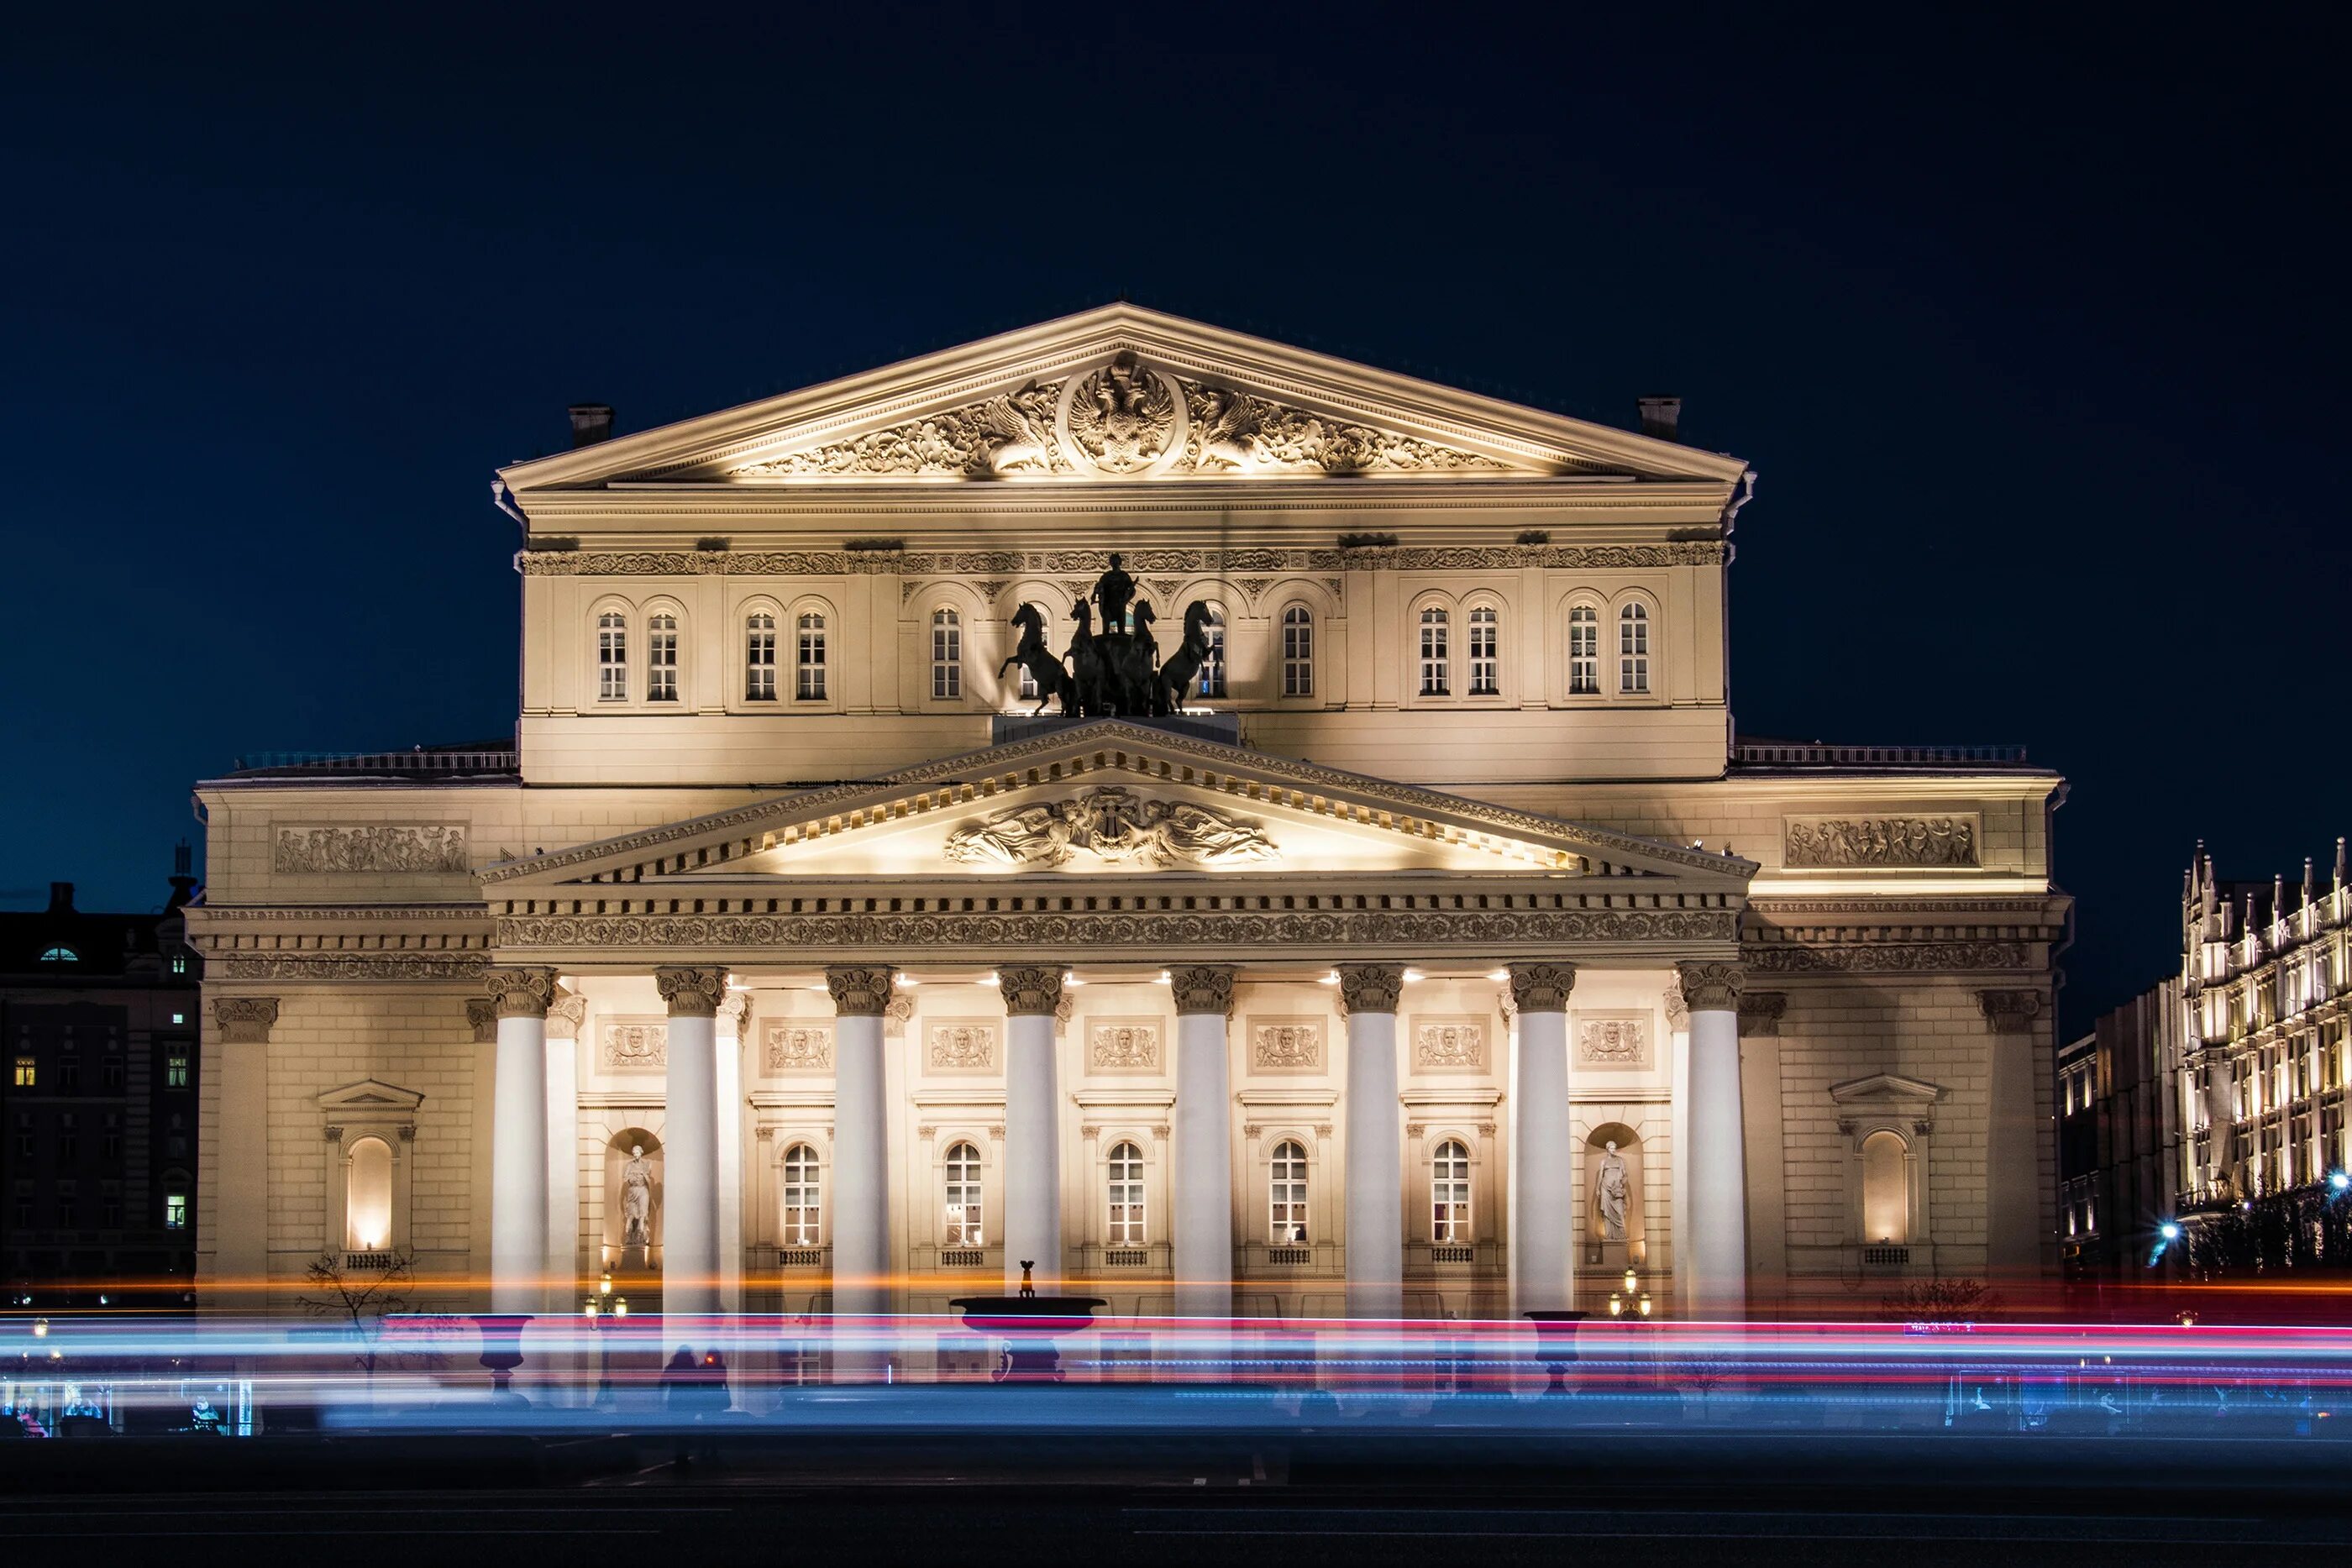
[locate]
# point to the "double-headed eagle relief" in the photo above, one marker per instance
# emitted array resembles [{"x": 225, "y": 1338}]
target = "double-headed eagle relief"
[
  {"x": 1115, "y": 827},
  {"x": 1125, "y": 419}
]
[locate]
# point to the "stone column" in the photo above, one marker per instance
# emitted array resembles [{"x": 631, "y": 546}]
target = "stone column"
[
  {"x": 1033, "y": 1125},
  {"x": 1203, "y": 1189},
  {"x": 734, "y": 1027},
  {"x": 1717, "y": 1165},
  {"x": 2019, "y": 1060},
  {"x": 1375, "y": 1149},
  {"x": 519, "y": 1141},
  {"x": 690, "y": 1150},
  {"x": 564, "y": 1018},
  {"x": 236, "y": 1222},
  {"x": 1543, "y": 1151},
  {"x": 861, "y": 1172}
]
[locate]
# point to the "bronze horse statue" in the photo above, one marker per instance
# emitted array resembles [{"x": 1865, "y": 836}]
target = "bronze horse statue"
[
  {"x": 1184, "y": 665},
  {"x": 1138, "y": 667},
  {"x": 1033, "y": 655},
  {"x": 1089, "y": 671}
]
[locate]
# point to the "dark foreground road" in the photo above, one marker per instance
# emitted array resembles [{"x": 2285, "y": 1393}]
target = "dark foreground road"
[{"x": 1633, "y": 1497}]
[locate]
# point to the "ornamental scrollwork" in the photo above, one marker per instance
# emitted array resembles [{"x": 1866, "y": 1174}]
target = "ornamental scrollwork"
[
  {"x": 1116, "y": 826},
  {"x": 691, "y": 990},
  {"x": 1010, "y": 432},
  {"x": 1709, "y": 986},
  {"x": 245, "y": 1020},
  {"x": 1371, "y": 988},
  {"x": 1885, "y": 957},
  {"x": 861, "y": 990},
  {"x": 522, "y": 993},
  {"x": 1541, "y": 988},
  {"x": 357, "y": 966},
  {"x": 1202, "y": 989}
]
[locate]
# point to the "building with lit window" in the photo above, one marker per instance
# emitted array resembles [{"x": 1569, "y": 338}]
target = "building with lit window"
[
  {"x": 1430, "y": 944},
  {"x": 98, "y": 1172}
]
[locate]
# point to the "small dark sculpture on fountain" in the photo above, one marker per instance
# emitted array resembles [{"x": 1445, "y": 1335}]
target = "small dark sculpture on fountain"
[
  {"x": 1176, "y": 677},
  {"x": 1033, "y": 655}
]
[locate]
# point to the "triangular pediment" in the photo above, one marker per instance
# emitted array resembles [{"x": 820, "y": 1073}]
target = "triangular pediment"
[
  {"x": 1886, "y": 1091},
  {"x": 370, "y": 1094},
  {"x": 1120, "y": 394},
  {"x": 1117, "y": 798}
]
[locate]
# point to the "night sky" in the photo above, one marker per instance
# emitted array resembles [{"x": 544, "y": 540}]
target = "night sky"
[{"x": 2035, "y": 328}]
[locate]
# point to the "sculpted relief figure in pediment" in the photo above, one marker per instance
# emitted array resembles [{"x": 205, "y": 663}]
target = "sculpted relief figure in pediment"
[
  {"x": 1127, "y": 418},
  {"x": 1116, "y": 827}
]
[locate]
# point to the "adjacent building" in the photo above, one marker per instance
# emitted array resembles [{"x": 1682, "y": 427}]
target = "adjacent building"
[
  {"x": 1421, "y": 939},
  {"x": 98, "y": 1170}
]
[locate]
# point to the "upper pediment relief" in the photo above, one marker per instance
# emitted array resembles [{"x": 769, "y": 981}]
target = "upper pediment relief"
[
  {"x": 1127, "y": 419},
  {"x": 1120, "y": 394}
]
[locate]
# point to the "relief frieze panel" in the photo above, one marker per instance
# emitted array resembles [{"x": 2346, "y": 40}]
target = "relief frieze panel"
[
  {"x": 369, "y": 847},
  {"x": 1952, "y": 839},
  {"x": 1613, "y": 1041},
  {"x": 961, "y": 1045},
  {"x": 1285, "y": 1044},
  {"x": 633, "y": 1045},
  {"x": 1449, "y": 1044},
  {"x": 1123, "y": 1045},
  {"x": 797, "y": 1048}
]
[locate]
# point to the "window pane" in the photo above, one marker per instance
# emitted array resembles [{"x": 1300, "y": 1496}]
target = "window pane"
[{"x": 1298, "y": 652}]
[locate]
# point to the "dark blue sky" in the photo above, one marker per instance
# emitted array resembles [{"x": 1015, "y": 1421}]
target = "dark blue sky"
[{"x": 2033, "y": 324}]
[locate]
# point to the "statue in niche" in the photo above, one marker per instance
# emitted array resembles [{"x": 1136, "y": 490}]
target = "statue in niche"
[
  {"x": 636, "y": 1199},
  {"x": 1610, "y": 1186}
]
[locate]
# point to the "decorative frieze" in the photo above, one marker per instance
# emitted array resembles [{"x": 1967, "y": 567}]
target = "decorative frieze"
[
  {"x": 635, "y": 1045},
  {"x": 961, "y": 1045},
  {"x": 1618, "y": 1041},
  {"x": 793, "y": 1046},
  {"x": 1030, "y": 991},
  {"x": 522, "y": 992},
  {"x": 1939, "y": 840},
  {"x": 1202, "y": 989},
  {"x": 1884, "y": 957},
  {"x": 1709, "y": 987},
  {"x": 359, "y": 966},
  {"x": 1541, "y": 988},
  {"x": 245, "y": 1020},
  {"x": 1285, "y": 1044},
  {"x": 345, "y": 848},
  {"x": 1371, "y": 988},
  {"x": 1449, "y": 1044},
  {"x": 966, "y": 565},
  {"x": 862, "y": 990},
  {"x": 1115, "y": 827},
  {"x": 1123, "y": 1045}
]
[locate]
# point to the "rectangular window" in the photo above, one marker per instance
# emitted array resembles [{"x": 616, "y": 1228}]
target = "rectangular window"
[
  {"x": 111, "y": 1075},
  {"x": 28, "y": 1074},
  {"x": 1485, "y": 662},
  {"x": 947, "y": 655},
  {"x": 1298, "y": 652},
  {"x": 1633, "y": 649},
  {"x": 175, "y": 1211},
  {"x": 175, "y": 1070},
  {"x": 1583, "y": 652},
  {"x": 808, "y": 659},
  {"x": 1436, "y": 654},
  {"x": 760, "y": 660},
  {"x": 611, "y": 659},
  {"x": 661, "y": 660},
  {"x": 68, "y": 1076}
]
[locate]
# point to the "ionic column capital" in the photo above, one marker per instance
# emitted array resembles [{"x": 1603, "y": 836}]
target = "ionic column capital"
[
  {"x": 1202, "y": 989},
  {"x": 1371, "y": 988},
  {"x": 245, "y": 1020},
  {"x": 860, "y": 990},
  {"x": 522, "y": 992},
  {"x": 1709, "y": 986},
  {"x": 692, "y": 991},
  {"x": 1542, "y": 987},
  {"x": 1031, "y": 991}
]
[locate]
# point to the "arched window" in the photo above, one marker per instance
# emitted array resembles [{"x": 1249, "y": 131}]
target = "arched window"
[
  {"x": 808, "y": 658},
  {"x": 367, "y": 1196},
  {"x": 1298, "y": 652},
  {"x": 1213, "y": 667},
  {"x": 963, "y": 1196},
  {"x": 661, "y": 659},
  {"x": 1436, "y": 653},
  {"x": 1286, "y": 1193},
  {"x": 1449, "y": 1193},
  {"x": 1125, "y": 1175},
  {"x": 59, "y": 956},
  {"x": 1633, "y": 649},
  {"x": 1583, "y": 652},
  {"x": 760, "y": 658},
  {"x": 801, "y": 1225},
  {"x": 1885, "y": 1191},
  {"x": 1485, "y": 652},
  {"x": 946, "y": 654},
  {"x": 613, "y": 657}
]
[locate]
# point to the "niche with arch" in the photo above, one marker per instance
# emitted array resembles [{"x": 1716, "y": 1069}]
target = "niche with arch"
[
  {"x": 633, "y": 1198},
  {"x": 1615, "y": 1189}
]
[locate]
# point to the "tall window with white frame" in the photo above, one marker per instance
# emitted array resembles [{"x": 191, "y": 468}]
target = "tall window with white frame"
[
  {"x": 1286, "y": 1194},
  {"x": 1213, "y": 664},
  {"x": 801, "y": 1222},
  {"x": 760, "y": 658},
  {"x": 1436, "y": 653},
  {"x": 946, "y": 654},
  {"x": 1633, "y": 649},
  {"x": 1125, "y": 1176},
  {"x": 1583, "y": 652},
  {"x": 661, "y": 659},
  {"x": 1449, "y": 1193},
  {"x": 613, "y": 657},
  {"x": 963, "y": 1196},
  {"x": 808, "y": 658},
  {"x": 1298, "y": 652},
  {"x": 1485, "y": 652}
]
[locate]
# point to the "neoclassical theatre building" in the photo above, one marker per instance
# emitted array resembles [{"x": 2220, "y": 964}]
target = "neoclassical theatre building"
[{"x": 1379, "y": 917}]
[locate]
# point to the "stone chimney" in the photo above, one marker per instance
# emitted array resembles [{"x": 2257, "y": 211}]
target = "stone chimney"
[
  {"x": 183, "y": 882},
  {"x": 591, "y": 423},
  {"x": 61, "y": 898},
  {"x": 1661, "y": 417}
]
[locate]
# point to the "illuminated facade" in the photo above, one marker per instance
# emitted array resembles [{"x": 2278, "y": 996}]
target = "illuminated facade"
[{"x": 1443, "y": 954}]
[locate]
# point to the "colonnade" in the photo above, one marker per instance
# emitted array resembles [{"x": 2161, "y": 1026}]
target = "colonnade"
[{"x": 697, "y": 1170}]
